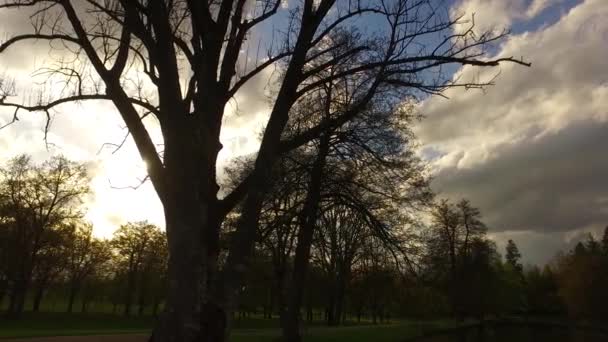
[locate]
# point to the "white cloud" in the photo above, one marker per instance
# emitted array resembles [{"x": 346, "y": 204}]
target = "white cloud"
[
  {"x": 567, "y": 82},
  {"x": 500, "y": 14},
  {"x": 538, "y": 6}
]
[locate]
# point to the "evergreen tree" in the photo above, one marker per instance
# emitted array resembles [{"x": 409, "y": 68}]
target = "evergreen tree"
[
  {"x": 605, "y": 241},
  {"x": 513, "y": 256}
]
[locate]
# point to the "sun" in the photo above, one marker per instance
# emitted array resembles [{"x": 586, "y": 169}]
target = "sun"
[{"x": 122, "y": 193}]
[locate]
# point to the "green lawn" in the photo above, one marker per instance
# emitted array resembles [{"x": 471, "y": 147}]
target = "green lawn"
[{"x": 246, "y": 330}]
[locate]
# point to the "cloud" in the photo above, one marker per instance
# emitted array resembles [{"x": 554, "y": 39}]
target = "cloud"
[
  {"x": 530, "y": 151},
  {"x": 500, "y": 14},
  {"x": 553, "y": 183},
  {"x": 538, "y": 6},
  {"x": 246, "y": 117}
]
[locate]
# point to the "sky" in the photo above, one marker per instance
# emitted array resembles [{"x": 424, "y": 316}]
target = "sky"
[{"x": 529, "y": 151}]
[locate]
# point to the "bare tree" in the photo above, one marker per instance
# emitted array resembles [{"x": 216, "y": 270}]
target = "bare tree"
[
  {"x": 367, "y": 165},
  {"x": 454, "y": 230},
  {"x": 189, "y": 53},
  {"x": 279, "y": 220},
  {"x": 336, "y": 249}
]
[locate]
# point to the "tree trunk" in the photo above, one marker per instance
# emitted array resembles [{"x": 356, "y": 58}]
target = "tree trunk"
[
  {"x": 38, "y": 298},
  {"x": 2, "y": 295},
  {"x": 200, "y": 301},
  {"x": 84, "y": 304},
  {"x": 155, "y": 306},
  {"x": 180, "y": 319},
  {"x": 270, "y": 304},
  {"x": 338, "y": 313},
  {"x": 329, "y": 314},
  {"x": 142, "y": 300},
  {"x": 291, "y": 331},
  {"x": 341, "y": 281},
  {"x": 191, "y": 313},
  {"x": 309, "y": 313},
  {"x": 331, "y": 304},
  {"x": 17, "y": 298},
  {"x": 243, "y": 240},
  {"x": 72, "y": 298},
  {"x": 280, "y": 290},
  {"x": 129, "y": 292}
]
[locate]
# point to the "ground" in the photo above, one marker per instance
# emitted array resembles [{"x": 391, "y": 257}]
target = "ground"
[
  {"x": 113, "y": 328},
  {"x": 96, "y": 338}
]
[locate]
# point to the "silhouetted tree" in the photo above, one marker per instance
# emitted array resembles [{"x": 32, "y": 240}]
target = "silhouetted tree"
[
  {"x": 152, "y": 275},
  {"x": 189, "y": 53},
  {"x": 279, "y": 222},
  {"x": 541, "y": 289},
  {"x": 449, "y": 244},
  {"x": 367, "y": 164},
  {"x": 51, "y": 262},
  {"x": 513, "y": 256},
  {"x": 135, "y": 243},
  {"x": 470, "y": 221},
  {"x": 376, "y": 281},
  {"x": 85, "y": 256},
  {"x": 38, "y": 200},
  {"x": 478, "y": 284},
  {"x": 340, "y": 237},
  {"x": 582, "y": 279},
  {"x": 605, "y": 241}
]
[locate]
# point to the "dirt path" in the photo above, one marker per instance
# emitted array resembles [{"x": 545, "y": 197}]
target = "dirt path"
[{"x": 98, "y": 338}]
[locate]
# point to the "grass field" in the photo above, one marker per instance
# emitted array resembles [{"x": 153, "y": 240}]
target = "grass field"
[
  {"x": 246, "y": 330},
  {"x": 55, "y": 324}
]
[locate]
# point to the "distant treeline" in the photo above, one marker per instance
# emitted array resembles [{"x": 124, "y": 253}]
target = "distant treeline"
[
  {"x": 46, "y": 248},
  {"x": 362, "y": 267}
]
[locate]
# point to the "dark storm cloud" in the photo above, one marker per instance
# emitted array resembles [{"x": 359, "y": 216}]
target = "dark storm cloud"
[{"x": 553, "y": 183}]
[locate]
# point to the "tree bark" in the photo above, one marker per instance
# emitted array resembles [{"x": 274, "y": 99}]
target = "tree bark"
[
  {"x": 291, "y": 329},
  {"x": 180, "y": 320}
]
